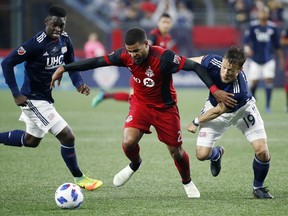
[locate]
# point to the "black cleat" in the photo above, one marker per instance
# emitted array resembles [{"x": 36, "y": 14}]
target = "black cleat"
[
  {"x": 215, "y": 166},
  {"x": 262, "y": 193}
]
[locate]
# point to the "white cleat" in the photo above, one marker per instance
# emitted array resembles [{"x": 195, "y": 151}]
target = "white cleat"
[
  {"x": 191, "y": 190},
  {"x": 123, "y": 176}
]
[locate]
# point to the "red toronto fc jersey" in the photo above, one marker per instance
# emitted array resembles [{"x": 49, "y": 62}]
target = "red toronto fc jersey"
[
  {"x": 159, "y": 40},
  {"x": 152, "y": 80}
]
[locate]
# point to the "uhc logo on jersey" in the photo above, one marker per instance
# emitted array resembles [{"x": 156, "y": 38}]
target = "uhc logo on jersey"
[
  {"x": 176, "y": 59},
  {"x": 54, "y": 62},
  {"x": 21, "y": 51}
]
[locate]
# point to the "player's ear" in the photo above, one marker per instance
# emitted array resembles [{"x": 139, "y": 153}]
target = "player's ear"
[
  {"x": 146, "y": 43},
  {"x": 46, "y": 20}
]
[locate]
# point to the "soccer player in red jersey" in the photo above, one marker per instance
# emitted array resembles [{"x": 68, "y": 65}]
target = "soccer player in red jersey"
[
  {"x": 154, "y": 101},
  {"x": 161, "y": 36}
]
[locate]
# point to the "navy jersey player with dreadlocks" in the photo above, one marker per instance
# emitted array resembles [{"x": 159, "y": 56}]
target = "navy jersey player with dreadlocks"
[{"x": 43, "y": 53}]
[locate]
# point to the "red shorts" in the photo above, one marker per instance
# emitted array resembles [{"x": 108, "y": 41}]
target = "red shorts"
[{"x": 166, "y": 121}]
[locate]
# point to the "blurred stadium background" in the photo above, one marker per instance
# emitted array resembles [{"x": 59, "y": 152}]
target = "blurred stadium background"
[{"x": 201, "y": 26}]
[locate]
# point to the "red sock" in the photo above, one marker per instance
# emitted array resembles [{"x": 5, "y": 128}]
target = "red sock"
[
  {"x": 286, "y": 88},
  {"x": 119, "y": 96},
  {"x": 183, "y": 167},
  {"x": 133, "y": 154}
]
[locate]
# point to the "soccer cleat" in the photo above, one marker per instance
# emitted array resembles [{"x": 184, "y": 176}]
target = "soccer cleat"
[
  {"x": 191, "y": 190},
  {"x": 262, "y": 193},
  {"x": 98, "y": 98},
  {"x": 88, "y": 183},
  {"x": 123, "y": 176},
  {"x": 215, "y": 166}
]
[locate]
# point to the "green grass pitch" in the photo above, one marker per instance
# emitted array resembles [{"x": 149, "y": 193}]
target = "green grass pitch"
[{"x": 29, "y": 177}]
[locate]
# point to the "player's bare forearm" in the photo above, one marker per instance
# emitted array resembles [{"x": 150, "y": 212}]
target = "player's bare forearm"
[
  {"x": 213, "y": 113},
  {"x": 57, "y": 76},
  {"x": 207, "y": 116}
]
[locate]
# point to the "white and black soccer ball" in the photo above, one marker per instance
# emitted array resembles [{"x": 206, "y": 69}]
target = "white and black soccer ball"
[{"x": 69, "y": 196}]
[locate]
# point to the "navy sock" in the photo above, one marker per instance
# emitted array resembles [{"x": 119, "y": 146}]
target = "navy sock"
[
  {"x": 215, "y": 154},
  {"x": 260, "y": 172},
  {"x": 268, "y": 90},
  {"x": 13, "y": 138},
  {"x": 69, "y": 156}
]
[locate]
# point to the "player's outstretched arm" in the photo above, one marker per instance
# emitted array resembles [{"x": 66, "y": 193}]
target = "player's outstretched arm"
[
  {"x": 82, "y": 65},
  {"x": 220, "y": 95},
  {"x": 207, "y": 116},
  {"x": 57, "y": 76}
]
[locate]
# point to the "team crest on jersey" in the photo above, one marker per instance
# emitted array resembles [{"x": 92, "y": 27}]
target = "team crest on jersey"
[
  {"x": 149, "y": 72},
  {"x": 21, "y": 51},
  {"x": 64, "y": 49},
  {"x": 129, "y": 118},
  {"x": 176, "y": 59}
]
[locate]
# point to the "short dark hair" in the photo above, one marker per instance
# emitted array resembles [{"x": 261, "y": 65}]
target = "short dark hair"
[
  {"x": 236, "y": 56},
  {"x": 134, "y": 35},
  {"x": 165, "y": 15},
  {"x": 56, "y": 10}
]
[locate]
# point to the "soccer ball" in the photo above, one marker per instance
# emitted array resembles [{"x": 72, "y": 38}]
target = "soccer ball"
[{"x": 69, "y": 196}]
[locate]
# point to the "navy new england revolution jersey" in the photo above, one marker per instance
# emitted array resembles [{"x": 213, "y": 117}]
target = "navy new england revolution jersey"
[
  {"x": 263, "y": 40},
  {"x": 42, "y": 56},
  {"x": 239, "y": 87}
]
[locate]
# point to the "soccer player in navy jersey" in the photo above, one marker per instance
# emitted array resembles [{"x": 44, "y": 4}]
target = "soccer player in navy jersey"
[
  {"x": 261, "y": 40},
  {"x": 216, "y": 118},
  {"x": 43, "y": 53},
  {"x": 153, "y": 101}
]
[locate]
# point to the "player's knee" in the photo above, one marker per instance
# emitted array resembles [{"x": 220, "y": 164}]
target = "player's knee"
[
  {"x": 176, "y": 155},
  {"x": 66, "y": 136},
  {"x": 129, "y": 143},
  {"x": 263, "y": 154},
  {"x": 202, "y": 153},
  {"x": 201, "y": 157},
  {"x": 68, "y": 139},
  {"x": 31, "y": 141}
]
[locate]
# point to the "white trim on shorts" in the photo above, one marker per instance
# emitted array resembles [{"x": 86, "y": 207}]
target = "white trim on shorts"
[
  {"x": 41, "y": 117},
  {"x": 247, "y": 119}
]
